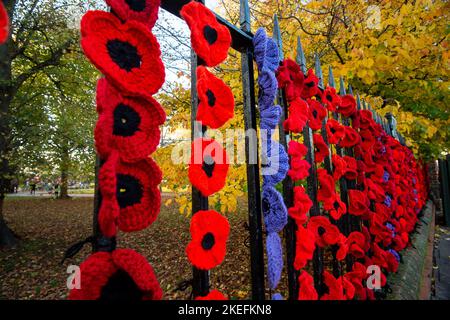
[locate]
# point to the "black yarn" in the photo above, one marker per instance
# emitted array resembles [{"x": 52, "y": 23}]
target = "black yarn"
[
  {"x": 121, "y": 287},
  {"x": 126, "y": 121},
  {"x": 136, "y": 5},
  {"x": 210, "y": 34},
  {"x": 123, "y": 54},
  {"x": 129, "y": 190}
]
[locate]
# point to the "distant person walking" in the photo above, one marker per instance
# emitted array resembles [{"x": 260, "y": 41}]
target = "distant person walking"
[{"x": 33, "y": 187}]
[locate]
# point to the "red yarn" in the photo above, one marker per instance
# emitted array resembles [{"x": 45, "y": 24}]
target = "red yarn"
[
  {"x": 208, "y": 167},
  {"x": 4, "y": 23},
  {"x": 347, "y": 106},
  {"x": 130, "y": 197},
  {"x": 306, "y": 287},
  {"x": 324, "y": 231},
  {"x": 216, "y": 101},
  {"x": 358, "y": 202},
  {"x": 210, "y": 39},
  {"x": 128, "y": 54},
  {"x": 320, "y": 148},
  {"x": 212, "y": 295},
  {"x": 310, "y": 85},
  {"x": 350, "y": 139},
  {"x": 299, "y": 167},
  {"x": 298, "y": 116},
  {"x": 302, "y": 204},
  {"x": 317, "y": 114},
  {"x": 304, "y": 247},
  {"x": 335, "y": 289},
  {"x": 209, "y": 233},
  {"x": 331, "y": 99},
  {"x": 99, "y": 267},
  {"x": 335, "y": 131},
  {"x": 290, "y": 78},
  {"x": 126, "y": 124},
  {"x": 145, "y": 11}
]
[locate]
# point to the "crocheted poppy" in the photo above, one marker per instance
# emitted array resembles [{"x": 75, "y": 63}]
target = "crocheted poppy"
[
  {"x": 339, "y": 166},
  {"x": 351, "y": 170},
  {"x": 347, "y": 106},
  {"x": 356, "y": 243},
  {"x": 128, "y": 54},
  {"x": 145, "y": 11},
  {"x": 216, "y": 101},
  {"x": 333, "y": 287},
  {"x": 274, "y": 209},
  {"x": 317, "y": 114},
  {"x": 275, "y": 163},
  {"x": 4, "y": 23},
  {"x": 298, "y": 116},
  {"x": 127, "y": 124},
  {"x": 119, "y": 275},
  {"x": 327, "y": 185},
  {"x": 208, "y": 167},
  {"x": 310, "y": 85},
  {"x": 306, "y": 287},
  {"x": 330, "y": 98},
  {"x": 265, "y": 51},
  {"x": 290, "y": 78},
  {"x": 269, "y": 118},
  {"x": 320, "y": 148},
  {"x": 348, "y": 288},
  {"x": 274, "y": 259},
  {"x": 130, "y": 197},
  {"x": 351, "y": 138},
  {"x": 304, "y": 247},
  {"x": 209, "y": 233},
  {"x": 335, "y": 131},
  {"x": 335, "y": 207},
  {"x": 267, "y": 89},
  {"x": 299, "y": 168},
  {"x": 358, "y": 202},
  {"x": 210, "y": 39},
  {"x": 212, "y": 295},
  {"x": 302, "y": 204},
  {"x": 325, "y": 233}
]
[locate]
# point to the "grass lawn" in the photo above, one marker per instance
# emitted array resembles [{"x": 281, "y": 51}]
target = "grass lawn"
[{"x": 47, "y": 227}]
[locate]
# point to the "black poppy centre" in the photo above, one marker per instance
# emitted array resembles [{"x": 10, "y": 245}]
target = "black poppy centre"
[
  {"x": 321, "y": 231},
  {"x": 208, "y": 241},
  {"x": 329, "y": 98},
  {"x": 121, "y": 287},
  {"x": 129, "y": 190},
  {"x": 126, "y": 121},
  {"x": 208, "y": 165},
  {"x": 124, "y": 54},
  {"x": 136, "y": 5},
  {"x": 210, "y": 34},
  {"x": 314, "y": 113},
  {"x": 310, "y": 84},
  {"x": 336, "y": 205},
  {"x": 211, "y": 98}
]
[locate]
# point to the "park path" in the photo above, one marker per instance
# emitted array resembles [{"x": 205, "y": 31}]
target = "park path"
[
  {"x": 44, "y": 194},
  {"x": 442, "y": 264}
]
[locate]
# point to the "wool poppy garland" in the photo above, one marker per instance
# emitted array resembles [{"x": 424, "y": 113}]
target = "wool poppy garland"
[
  {"x": 145, "y": 11},
  {"x": 130, "y": 197},
  {"x": 119, "y": 275},
  {"x": 210, "y": 39},
  {"x": 129, "y": 125},
  {"x": 290, "y": 78},
  {"x": 128, "y": 54},
  {"x": 4, "y": 23},
  {"x": 275, "y": 163},
  {"x": 266, "y": 51},
  {"x": 216, "y": 101},
  {"x": 209, "y": 234},
  {"x": 208, "y": 166}
]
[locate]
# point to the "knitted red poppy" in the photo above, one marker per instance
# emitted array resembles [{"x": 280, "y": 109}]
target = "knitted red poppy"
[
  {"x": 145, "y": 11},
  {"x": 126, "y": 124},
  {"x": 335, "y": 131},
  {"x": 4, "y": 23},
  {"x": 209, "y": 233},
  {"x": 306, "y": 287},
  {"x": 351, "y": 138},
  {"x": 298, "y": 116},
  {"x": 335, "y": 207},
  {"x": 358, "y": 202},
  {"x": 347, "y": 286},
  {"x": 310, "y": 85},
  {"x": 304, "y": 247},
  {"x": 334, "y": 287},
  {"x": 216, "y": 101},
  {"x": 351, "y": 170},
  {"x": 317, "y": 114},
  {"x": 356, "y": 243},
  {"x": 331, "y": 99},
  {"x": 356, "y": 277},
  {"x": 130, "y": 197},
  {"x": 210, "y": 39},
  {"x": 120, "y": 275},
  {"x": 347, "y": 106},
  {"x": 299, "y": 167},
  {"x": 128, "y": 54},
  {"x": 320, "y": 148},
  {"x": 290, "y": 78},
  {"x": 212, "y": 295},
  {"x": 327, "y": 185},
  {"x": 339, "y": 166},
  {"x": 208, "y": 166},
  {"x": 324, "y": 232},
  {"x": 302, "y": 204}
]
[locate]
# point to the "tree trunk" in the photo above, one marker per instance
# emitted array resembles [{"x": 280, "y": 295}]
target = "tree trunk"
[
  {"x": 7, "y": 237},
  {"x": 64, "y": 167}
]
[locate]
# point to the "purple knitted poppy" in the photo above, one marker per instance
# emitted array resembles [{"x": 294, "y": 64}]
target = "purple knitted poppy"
[
  {"x": 268, "y": 86},
  {"x": 274, "y": 209},
  {"x": 270, "y": 118},
  {"x": 386, "y": 176},
  {"x": 277, "y": 296},
  {"x": 387, "y": 201},
  {"x": 266, "y": 51},
  {"x": 274, "y": 259},
  {"x": 275, "y": 163}
]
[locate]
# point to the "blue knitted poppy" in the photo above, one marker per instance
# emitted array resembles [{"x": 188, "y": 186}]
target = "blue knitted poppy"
[
  {"x": 270, "y": 117},
  {"x": 274, "y": 259},
  {"x": 275, "y": 163},
  {"x": 268, "y": 86},
  {"x": 274, "y": 209},
  {"x": 266, "y": 51}
]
